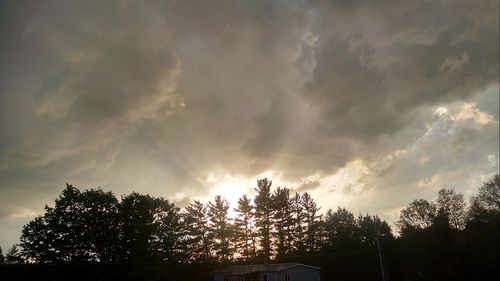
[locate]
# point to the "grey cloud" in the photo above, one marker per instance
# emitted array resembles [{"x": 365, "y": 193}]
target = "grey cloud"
[
  {"x": 153, "y": 95},
  {"x": 306, "y": 186},
  {"x": 376, "y": 67}
]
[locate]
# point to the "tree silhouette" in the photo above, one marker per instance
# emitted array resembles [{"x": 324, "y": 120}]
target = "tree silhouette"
[
  {"x": 197, "y": 241},
  {"x": 282, "y": 221},
  {"x": 298, "y": 224},
  {"x": 311, "y": 220},
  {"x": 263, "y": 216},
  {"x": 489, "y": 194},
  {"x": 220, "y": 227},
  {"x": 13, "y": 256},
  {"x": 341, "y": 230},
  {"x": 245, "y": 236},
  {"x": 149, "y": 228},
  {"x": 452, "y": 205},
  {"x": 75, "y": 229},
  {"x": 441, "y": 240},
  {"x": 418, "y": 215}
]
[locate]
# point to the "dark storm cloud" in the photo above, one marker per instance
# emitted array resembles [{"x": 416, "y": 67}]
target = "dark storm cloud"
[
  {"x": 154, "y": 96},
  {"x": 377, "y": 65}
]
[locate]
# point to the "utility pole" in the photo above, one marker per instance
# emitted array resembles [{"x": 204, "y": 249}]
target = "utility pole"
[{"x": 380, "y": 252}]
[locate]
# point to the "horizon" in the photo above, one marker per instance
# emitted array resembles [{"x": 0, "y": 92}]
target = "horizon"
[{"x": 363, "y": 106}]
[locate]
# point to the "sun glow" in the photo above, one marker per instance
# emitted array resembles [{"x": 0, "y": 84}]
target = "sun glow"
[
  {"x": 229, "y": 187},
  {"x": 339, "y": 189},
  {"x": 232, "y": 187}
]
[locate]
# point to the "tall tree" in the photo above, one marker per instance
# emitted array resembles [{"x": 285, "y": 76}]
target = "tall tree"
[
  {"x": 341, "y": 230},
  {"x": 167, "y": 235},
  {"x": 485, "y": 206},
  {"x": 221, "y": 228},
  {"x": 2, "y": 258},
  {"x": 488, "y": 196},
  {"x": 245, "y": 236},
  {"x": 482, "y": 232},
  {"x": 418, "y": 215},
  {"x": 38, "y": 243},
  {"x": 100, "y": 212},
  {"x": 149, "y": 228},
  {"x": 452, "y": 205},
  {"x": 282, "y": 220},
  {"x": 298, "y": 224},
  {"x": 371, "y": 227},
  {"x": 311, "y": 220},
  {"x": 263, "y": 216},
  {"x": 197, "y": 240},
  {"x": 78, "y": 228}
]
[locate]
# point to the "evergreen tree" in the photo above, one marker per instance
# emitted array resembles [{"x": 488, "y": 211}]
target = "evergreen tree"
[
  {"x": 2, "y": 258},
  {"x": 221, "y": 228},
  {"x": 197, "y": 241},
  {"x": 13, "y": 256},
  {"x": 168, "y": 233},
  {"x": 245, "y": 236},
  {"x": 263, "y": 216},
  {"x": 282, "y": 220},
  {"x": 298, "y": 224},
  {"x": 311, "y": 220}
]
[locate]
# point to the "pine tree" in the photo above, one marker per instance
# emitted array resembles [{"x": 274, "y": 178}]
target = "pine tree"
[
  {"x": 245, "y": 236},
  {"x": 282, "y": 220},
  {"x": 221, "y": 228},
  {"x": 197, "y": 242},
  {"x": 311, "y": 219},
  {"x": 13, "y": 256},
  {"x": 298, "y": 224},
  {"x": 263, "y": 216}
]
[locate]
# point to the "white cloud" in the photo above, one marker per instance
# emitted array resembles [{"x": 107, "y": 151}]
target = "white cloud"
[{"x": 470, "y": 111}]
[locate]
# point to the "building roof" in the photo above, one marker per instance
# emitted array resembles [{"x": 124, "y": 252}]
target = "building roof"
[{"x": 245, "y": 269}]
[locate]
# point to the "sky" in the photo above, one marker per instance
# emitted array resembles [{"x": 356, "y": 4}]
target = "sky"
[{"x": 363, "y": 104}]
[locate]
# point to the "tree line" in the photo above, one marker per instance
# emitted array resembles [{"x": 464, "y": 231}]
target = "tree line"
[{"x": 443, "y": 239}]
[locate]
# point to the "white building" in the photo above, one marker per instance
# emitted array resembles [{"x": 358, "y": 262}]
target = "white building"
[{"x": 269, "y": 272}]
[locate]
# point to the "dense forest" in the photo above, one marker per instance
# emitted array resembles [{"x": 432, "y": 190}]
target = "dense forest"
[{"x": 446, "y": 239}]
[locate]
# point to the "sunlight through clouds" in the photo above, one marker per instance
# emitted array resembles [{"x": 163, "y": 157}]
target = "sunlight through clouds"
[{"x": 349, "y": 102}]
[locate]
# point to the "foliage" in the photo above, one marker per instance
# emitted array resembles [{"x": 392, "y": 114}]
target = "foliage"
[
  {"x": 438, "y": 240},
  {"x": 13, "y": 256},
  {"x": 418, "y": 215},
  {"x": 488, "y": 197},
  {"x": 263, "y": 216},
  {"x": 196, "y": 241},
  {"x": 221, "y": 230},
  {"x": 244, "y": 233}
]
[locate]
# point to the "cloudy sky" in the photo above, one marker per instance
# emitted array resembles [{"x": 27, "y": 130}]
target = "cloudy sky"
[{"x": 363, "y": 104}]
